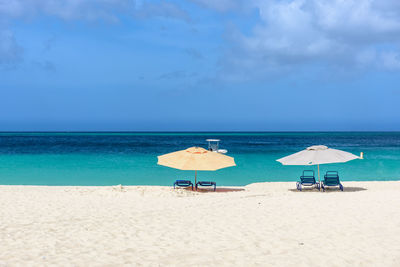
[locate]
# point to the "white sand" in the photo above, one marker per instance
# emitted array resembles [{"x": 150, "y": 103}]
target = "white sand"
[{"x": 268, "y": 224}]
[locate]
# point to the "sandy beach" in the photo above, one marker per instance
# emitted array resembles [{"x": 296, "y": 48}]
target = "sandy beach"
[{"x": 265, "y": 224}]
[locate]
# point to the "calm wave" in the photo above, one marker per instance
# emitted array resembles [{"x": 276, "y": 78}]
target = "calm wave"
[{"x": 130, "y": 158}]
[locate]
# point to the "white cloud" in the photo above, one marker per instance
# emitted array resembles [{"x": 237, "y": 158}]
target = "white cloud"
[
  {"x": 295, "y": 33},
  {"x": 289, "y": 34}
]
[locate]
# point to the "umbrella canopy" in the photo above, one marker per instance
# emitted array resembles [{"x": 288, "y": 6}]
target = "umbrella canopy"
[
  {"x": 315, "y": 155},
  {"x": 196, "y": 159}
]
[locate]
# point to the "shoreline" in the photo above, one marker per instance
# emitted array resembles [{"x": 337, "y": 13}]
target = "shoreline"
[
  {"x": 224, "y": 186},
  {"x": 293, "y": 183}
]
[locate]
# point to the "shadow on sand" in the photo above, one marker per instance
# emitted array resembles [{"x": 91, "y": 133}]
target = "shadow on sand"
[
  {"x": 331, "y": 189},
  {"x": 219, "y": 190}
]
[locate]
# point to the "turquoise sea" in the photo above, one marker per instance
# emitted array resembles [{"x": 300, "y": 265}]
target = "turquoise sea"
[{"x": 131, "y": 158}]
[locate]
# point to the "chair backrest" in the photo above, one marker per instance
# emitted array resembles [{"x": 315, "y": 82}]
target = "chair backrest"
[
  {"x": 308, "y": 173},
  {"x": 331, "y": 178},
  {"x": 183, "y": 182},
  {"x": 308, "y": 177},
  {"x": 206, "y": 183},
  {"x": 307, "y": 180},
  {"x": 332, "y": 174}
]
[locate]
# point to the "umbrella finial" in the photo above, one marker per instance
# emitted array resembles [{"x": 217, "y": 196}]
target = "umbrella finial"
[{"x": 320, "y": 147}]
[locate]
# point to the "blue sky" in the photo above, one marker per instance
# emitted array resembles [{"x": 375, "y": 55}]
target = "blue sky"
[{"x": 199, "y": 65}]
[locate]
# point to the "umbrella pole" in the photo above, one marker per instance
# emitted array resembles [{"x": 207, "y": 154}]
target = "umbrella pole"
[
  {"x": 319, "y": 179},
  {"x": 195, "y": 177}
]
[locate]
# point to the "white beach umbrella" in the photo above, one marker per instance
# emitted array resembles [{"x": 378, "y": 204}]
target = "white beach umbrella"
[{"x": 316, "y": 155}]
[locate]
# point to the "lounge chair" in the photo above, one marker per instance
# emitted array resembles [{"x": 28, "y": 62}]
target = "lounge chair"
[
  {"x": 206, "y": 183},
  {"x": 331, "y": 178},
  {"x": 183, "y": 183},
  {"x": 307, "y": 179}
]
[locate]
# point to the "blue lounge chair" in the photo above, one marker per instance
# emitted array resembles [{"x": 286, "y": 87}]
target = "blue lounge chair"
[
  {"x": 331, "y": 178},
  {"x": 183, "y": 183},
  {"x": 307, "y": 179},
  {"x": 206, "y": 183}
]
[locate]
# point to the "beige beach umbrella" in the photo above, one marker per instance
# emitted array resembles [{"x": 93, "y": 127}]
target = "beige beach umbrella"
[
  {"x": 316, "y": 155},
  {"x": 196, "y": 159}
]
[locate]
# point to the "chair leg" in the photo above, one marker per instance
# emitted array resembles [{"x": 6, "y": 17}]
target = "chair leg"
[
  {"x": 299, "y": 186},
  {"x": 341, "y": 187},
  {"x": 215, "y": 187}
]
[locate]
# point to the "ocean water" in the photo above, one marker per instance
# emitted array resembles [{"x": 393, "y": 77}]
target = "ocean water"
[{"x": 131, "y": 158}]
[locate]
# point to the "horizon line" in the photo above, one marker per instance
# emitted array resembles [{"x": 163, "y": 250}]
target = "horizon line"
[{"x": 232, "y": 131}]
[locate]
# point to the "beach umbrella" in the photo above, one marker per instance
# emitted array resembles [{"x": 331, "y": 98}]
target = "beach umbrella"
[
  {"x": 196, "y": 159},
  {"x": 316, "y": 155}
]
